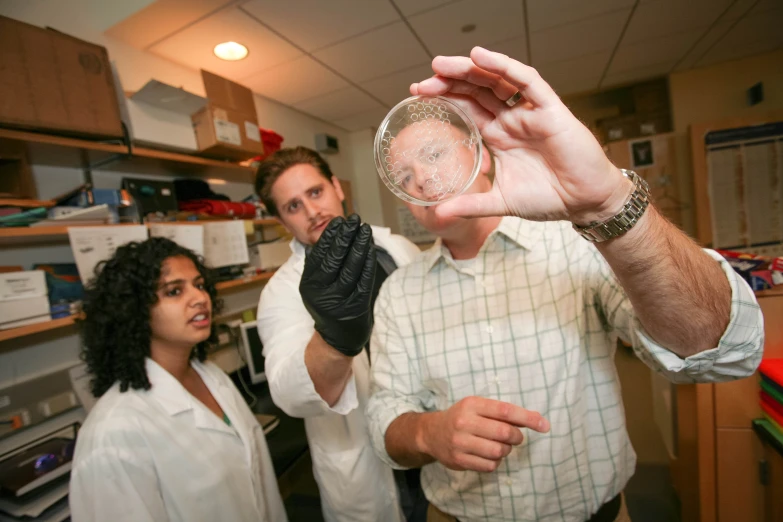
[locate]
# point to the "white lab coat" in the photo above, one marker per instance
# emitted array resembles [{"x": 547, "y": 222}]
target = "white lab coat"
[
  {"x": 162, "y": 456},
  {"x": 354, "y": 484}
]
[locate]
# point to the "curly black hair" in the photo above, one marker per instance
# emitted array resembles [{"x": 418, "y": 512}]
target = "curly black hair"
[{"x": 117, "y": 302}]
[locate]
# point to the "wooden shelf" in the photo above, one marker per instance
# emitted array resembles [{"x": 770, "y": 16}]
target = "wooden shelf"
[
  {"x": 778, "y": 290},
  {"x": 45, "y": 149},
  {"x": 25, "y": 203},
  {"x": 22, "y": 331},
  {"x": 21, "y": 235},
  {"x": 237, "y": 284}
]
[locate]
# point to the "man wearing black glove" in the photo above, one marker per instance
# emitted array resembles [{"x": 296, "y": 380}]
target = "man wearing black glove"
[{"x": 315, "y": 319}]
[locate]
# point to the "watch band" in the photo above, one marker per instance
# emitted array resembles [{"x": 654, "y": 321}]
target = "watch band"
[{"x": 625, "y": 220}]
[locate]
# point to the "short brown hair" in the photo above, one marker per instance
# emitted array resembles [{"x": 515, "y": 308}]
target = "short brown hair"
[{"x": 275, "y": 165}]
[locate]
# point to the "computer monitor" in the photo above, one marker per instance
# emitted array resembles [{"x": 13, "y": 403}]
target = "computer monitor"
[{"x": 252, "y": 352}]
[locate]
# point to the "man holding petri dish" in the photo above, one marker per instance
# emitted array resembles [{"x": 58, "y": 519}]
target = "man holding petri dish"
[{"x": 494, "y": 352}]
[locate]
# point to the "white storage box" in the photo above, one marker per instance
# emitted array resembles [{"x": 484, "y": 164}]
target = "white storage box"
[
  {"x": 268, "y": 256},
  {"x": 20, "y": 285},
  {"x": 20, "y": 312}
]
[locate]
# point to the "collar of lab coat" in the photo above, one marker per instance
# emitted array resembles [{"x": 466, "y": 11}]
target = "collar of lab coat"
[
  {"x": 175, "y": 399},
  {"x": 379, "y": 234}
]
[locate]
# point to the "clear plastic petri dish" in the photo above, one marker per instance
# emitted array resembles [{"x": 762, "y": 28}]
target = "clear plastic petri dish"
[{"x": 427, "y": 150}]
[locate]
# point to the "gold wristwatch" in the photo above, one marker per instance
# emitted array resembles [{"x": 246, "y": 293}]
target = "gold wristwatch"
[{"x": 621, "y": 223}]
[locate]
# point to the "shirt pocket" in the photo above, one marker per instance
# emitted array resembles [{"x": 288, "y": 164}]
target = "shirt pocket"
[{"x": 470, "y": 494}]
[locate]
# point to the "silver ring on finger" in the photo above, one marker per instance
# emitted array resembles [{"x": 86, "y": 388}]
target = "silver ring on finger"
[{"x": 514, "y": 99}]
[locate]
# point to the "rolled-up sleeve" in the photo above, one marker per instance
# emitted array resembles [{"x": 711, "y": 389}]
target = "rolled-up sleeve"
[
  {"x": 737, "y": 354},
  {"x": 396, "y": 382},
  {"x": 285, "y": 328}
]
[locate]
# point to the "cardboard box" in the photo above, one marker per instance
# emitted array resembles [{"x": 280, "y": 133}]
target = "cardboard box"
[
  {"x": 20, "y": 312},
  {"x": 19, "y": 285},
  {"x": 52, "y": 81},
  {"x": 228, "y": 126},
  {"x": 16, "y": 176},
  {"x": 618, "y": 128},
  {"x": 268, "y": 256}
]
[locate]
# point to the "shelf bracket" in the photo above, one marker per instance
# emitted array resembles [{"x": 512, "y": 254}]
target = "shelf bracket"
[{"x": 88, "y": 167}]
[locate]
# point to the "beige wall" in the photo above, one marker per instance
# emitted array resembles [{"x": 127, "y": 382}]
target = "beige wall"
[
  {"x": 718, "y": 92},
  {"x": 367, "y": 185}
]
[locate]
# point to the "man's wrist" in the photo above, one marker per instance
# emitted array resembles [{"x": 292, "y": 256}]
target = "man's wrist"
[
  {"x": 612, "y": 206},
  {"x": 421, "y": 432}
]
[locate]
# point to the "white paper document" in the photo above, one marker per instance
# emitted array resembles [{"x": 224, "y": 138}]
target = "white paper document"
[
  {"x": 91, "y": 245},
  {"x": 411, "y": 228},
  {"x": 188, "y": 236},
  {"x": 225, "y": 244},
  {"x": 728, "y": 217}
]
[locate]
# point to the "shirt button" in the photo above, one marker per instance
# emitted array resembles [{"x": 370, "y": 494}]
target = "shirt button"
[
  {"x": 509, "y": 482},
  {"x": 490, "y": 329}
]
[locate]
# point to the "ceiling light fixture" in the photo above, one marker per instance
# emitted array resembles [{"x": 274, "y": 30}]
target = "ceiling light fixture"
[{"x": 230, "y": 51}]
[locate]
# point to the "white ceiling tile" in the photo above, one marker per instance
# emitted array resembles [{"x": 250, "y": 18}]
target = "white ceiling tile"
[
  {"x": 394, "y": 88},
  {"x": 667, "y": 17},
  {"x": 338, "y": 105},
  {"x": 577, "y": 75},
  {"x": 495, "y": 21},
  {"x": 756, "y": 33},
  {"x": 651, "y": 52},
  {"x": 364, "y": 120},
  {"x": 193, "y": 46},
  {"x": 578, "y": 39},
  {"x": 722, "y": 28},
  {"x": 643, "y": 73},
  {"x": 313, "y": 24},
  {"x": 545, "y": 14},
  {"x": 740, "y": 7},
  {"x": 374, "y": 54},
  {"x": 706, "y": 41},
  {"x": 158, "y": 20},
  {"x": 295, "y": 81},
  {"x": 412, "y": 7},
  {"x": 516, "y": 48}
]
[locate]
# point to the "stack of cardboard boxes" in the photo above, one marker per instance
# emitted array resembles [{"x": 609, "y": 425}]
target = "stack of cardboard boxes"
[{"x": 647, "y": 114}]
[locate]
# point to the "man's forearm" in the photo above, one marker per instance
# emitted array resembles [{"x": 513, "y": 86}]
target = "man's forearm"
[
  {"x": 405, "y": 440},
  {"x": 679, "y": 293},
  {"x": 329, "y": 369}
]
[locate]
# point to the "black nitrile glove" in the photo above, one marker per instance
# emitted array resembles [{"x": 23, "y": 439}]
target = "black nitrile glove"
[{"x": 337, "y": 283}]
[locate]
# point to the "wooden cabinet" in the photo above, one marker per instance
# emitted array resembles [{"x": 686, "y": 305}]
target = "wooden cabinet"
[
  {"x": 773, "y": 498},
  {"x": 717, "y": 469},
  {"x": 740, "y": 493}
]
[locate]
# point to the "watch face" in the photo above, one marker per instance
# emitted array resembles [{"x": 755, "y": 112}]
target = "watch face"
[{"x": 427, "y": 150}]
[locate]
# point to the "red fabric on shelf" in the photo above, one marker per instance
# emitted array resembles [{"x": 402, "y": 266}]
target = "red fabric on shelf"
[{"x": 219, "y": 208}]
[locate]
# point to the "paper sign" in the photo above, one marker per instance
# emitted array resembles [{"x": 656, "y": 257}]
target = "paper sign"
[
  {"x": 411, "y": 228},
  {"x": 91, "y": 245},
  {"x": 225, "y": 244},
  {"x": 188, "y": 236},
  {"x": 252, "y": 131},
  {"x": 227, "y": 132}
]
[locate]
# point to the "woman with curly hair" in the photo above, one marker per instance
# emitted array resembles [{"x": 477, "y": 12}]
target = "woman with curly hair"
[{"x": 171, "y": 438}]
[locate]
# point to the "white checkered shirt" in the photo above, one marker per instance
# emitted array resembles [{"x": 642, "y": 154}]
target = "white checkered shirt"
[{"x": 533, "y": 323}]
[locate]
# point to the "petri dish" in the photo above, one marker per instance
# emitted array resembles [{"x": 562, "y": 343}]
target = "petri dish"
[{"x": 427, "y": 150}]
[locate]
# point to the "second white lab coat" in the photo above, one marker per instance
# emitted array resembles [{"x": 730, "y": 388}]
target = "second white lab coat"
[
  {"x": 355, "y": 485},
  {"x": 160, "y": 455}
]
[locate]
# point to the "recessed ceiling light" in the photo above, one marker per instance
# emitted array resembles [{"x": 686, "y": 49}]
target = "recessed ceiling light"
[
  {"x": 230, "y": 51},
  {"x": 468, "y": 28}
]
